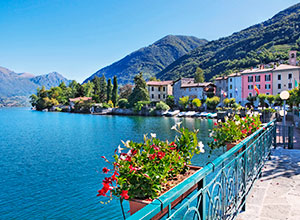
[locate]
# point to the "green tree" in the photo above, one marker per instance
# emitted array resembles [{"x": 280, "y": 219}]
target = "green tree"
[
  {"x": 212, "y": 102},
  {"x": 262, "y": 99},
  {"x": 170, "y": 101},
  {"x": 162, "y": 106},
  {"x": 184, "y": 101},
  {"x": 140, "y": 92},
  {"x": 196, "y": 103},
  {"x": 251, "y": 99},
  {"x": 123, "y": 103},
  {"x": 232, "y": 102},
  {"x": 153, "y": 78},
  {"x": 270, "y": 99},
  {"x": 108, "y": 90},
  {"x": 103, "y": 89},
  {"x": 199, "y": 75},
  {"x": 226, "y": 102},
  {"x": 88, "y": 89},
  {"x": 114, "y": 97}
]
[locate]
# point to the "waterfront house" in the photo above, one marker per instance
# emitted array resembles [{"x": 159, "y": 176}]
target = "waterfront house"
[
  {"x": 159, "y": 90},
  {"x": 235, "y": 87},
  {"x": 284, "y": 77},
  {"x": 187, "y": 87},
  {"x": 260, "y": 77},
  {"x": 221, "y": 87},
  {"x": 72, "y": 101}
]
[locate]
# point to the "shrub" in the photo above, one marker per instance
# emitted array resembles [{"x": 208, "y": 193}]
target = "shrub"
[
  {"x": 123, "y": 103},
  {"x": 170, "y": 101},
  {"x": 184, "y": 101},
  {"x": 212, "y": 102},
  {"x": 140, "y": 104},
  {"x": 162, "y": 106},
  {"x": 196, "y": 103}
]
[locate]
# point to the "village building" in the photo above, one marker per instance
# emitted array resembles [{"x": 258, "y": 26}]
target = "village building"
[
  {"x": 187, "y": 87},
  {"x": 221, "y": 87},
  {"x": 235, "y": 87},
  {"x": 159, "y": 90}
]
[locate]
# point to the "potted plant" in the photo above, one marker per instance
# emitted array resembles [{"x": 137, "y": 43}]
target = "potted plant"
[
  {"x": 150, "y": 168},
  {"x": 233, "y": 130}
]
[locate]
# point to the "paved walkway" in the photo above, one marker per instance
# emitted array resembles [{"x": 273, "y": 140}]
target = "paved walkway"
[{"x": 276, "y": 195}]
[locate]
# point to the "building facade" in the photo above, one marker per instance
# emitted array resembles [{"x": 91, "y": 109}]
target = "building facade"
[
  {"x": 284, "y": 77},
  {"x": 187, "y": 87},
  {"x": 235, "y": 87},
  {"x": 159, "y": 90},
  {"x": 221, "y": 87}
]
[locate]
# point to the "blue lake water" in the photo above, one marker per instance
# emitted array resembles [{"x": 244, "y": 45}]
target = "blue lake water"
[{"x": 50, "y": 162}]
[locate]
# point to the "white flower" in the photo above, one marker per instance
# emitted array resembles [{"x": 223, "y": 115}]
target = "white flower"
[
  {"x": 228, "y": 114},
  {"x": 122, "y": 157},
  {"x": 173, "y": 127},
  {"x": 120, "y": 149},
  {"x": 129, "y": 153},
  {"x": 178, "y": 123},
  {"x": 226, "y": 118},
  {"x": 126, "y": 144},
  {"x": 237, "y": 122},
  {"x": 211, "y": 134},
  {"x": 153, "y": 135},
  {"x": 201, "y": 147},
  {"x": 219, "y": 121}
]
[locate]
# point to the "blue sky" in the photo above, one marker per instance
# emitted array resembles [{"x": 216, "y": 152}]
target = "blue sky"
[{"x": 78, "y": 37}]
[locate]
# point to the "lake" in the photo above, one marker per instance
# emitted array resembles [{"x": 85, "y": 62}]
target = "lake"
[{"x": 50, "y": 163}]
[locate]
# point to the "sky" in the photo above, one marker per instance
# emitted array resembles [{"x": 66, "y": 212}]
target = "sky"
[{"x": 78, "y": 37}]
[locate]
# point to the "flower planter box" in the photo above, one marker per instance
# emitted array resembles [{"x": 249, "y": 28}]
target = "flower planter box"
[{"x": 137, "y": 204}]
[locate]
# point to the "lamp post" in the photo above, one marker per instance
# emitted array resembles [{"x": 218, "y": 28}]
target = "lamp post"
[{"x": 284, "y": 95}]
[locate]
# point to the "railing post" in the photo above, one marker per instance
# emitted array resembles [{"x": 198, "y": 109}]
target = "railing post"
[
  {"x": 290, "y": 139},
  {"x": 245, "y": 178},
  {"x": 275, "y": 135},
  {"x": 202, "y": 206}
]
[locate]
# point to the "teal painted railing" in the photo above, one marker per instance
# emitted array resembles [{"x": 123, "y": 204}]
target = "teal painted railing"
[{"x": 222, "y": 186}]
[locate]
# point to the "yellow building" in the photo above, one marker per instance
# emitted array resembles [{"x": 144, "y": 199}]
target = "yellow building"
[{"x": 159, "y": 90}]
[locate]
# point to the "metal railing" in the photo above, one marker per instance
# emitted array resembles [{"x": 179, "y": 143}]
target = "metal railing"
[
  {"x": 284, "y": 136},
  {"x": 222, "y": 185}
]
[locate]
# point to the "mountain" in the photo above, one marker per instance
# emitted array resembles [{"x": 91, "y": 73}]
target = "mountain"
[
  {"x": 150, "y": 60},
  {"x": 22, "y": 85},
  {"x": 262, "y": 43}
]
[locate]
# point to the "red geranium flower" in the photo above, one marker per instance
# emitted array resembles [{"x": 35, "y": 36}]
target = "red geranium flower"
[
  {"x": 105, "y": 170},
  {"x": 101, "y": 193},
  {"x": 152, "y": 156},
  {"x": 128, "y": 158},
  {"x": 216, "y": 124},
  {"x": 107, "y": 180},
  {"x": 161, "y": 154},
  {"x": 244, "y": 131},
  {"x": 124, "y": 194},
  {"x": 154, "y": 147},
  {"x": 172, "y": 148},
  {"x": 132, "y": 168},
  {"x": 215, "y": 140},
  {"x": 113, "y": 177}
]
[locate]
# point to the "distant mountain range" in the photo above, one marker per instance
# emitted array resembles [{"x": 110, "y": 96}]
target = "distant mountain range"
[
  {"x": 261, "y": 43},
  {"x": 151, "y": 59},
  {"x": 22, "y": 85}
]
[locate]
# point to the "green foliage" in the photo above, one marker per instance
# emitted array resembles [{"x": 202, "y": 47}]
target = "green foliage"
[
  {"x": 153, "y": 78},
  {"x": 262, "y": 99},
  {"x": 226, "y": 102},
  {"x": 199, "y": 75},
  {"x": 212, "y": 102},
  {"x": 170, "y": 101},
  {"x": 142, "y": 172},
  {"x": 162, "y": 106},
  {"x": 270, "y": 99},
  {"x": 251, "y": 99},
  {"x": 83, "y": 106},
  {"x": 123, "y": 103},
  {"x": 184, "y": 101},
  {"x": 294, "y": 99},
  {"x": 196, "y": 103},
  {"x": 278, "y": 101},
  {"x": 140, "y": 92},
  {"x": 114, "y": 97},
  {"x": 139, "y": 105},
  {"x": 245, "y": 49},
  {"x": 109, "y": 90}
]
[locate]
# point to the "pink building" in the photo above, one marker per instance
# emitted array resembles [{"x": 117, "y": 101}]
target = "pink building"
[{"x": 262, "y": 78}]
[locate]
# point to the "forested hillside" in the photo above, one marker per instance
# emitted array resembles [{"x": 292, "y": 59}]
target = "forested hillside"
[{"x": 262, "y": 43}]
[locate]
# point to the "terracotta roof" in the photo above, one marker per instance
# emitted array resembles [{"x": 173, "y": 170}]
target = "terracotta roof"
[
  {"x": 80, "y": 99},
  {"x": 159, "y": 83},
  {"x": 276, "y": 68},
  {"x": 285, "y": 67}
]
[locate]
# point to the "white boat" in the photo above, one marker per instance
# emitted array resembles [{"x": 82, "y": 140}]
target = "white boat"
[
  {"x": 212, "y": 115},
  {"x": 190, "y": 114},
  {"x": 172, "y": 113},
  {"x": 203, "y": 114},
  {"x": 181, "y": 114}
]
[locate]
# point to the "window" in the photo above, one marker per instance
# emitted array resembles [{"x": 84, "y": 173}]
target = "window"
[
  {"x": 164, "y": 96},
  {"x": 268, "y": 93},
  {"x": 250, "y": 87},
  {"x": 152, "y": 88},
  {"x": 268, "y": 86},
  {"x": 290, "y": 75},
  {"x": 257, "y": 78},
  {"x": 230, "y": 95},
  {"x": 250, "y": 94},
  {"x": 250, "y": 78},
  {"x": 164, "y": 88},
  {"x": 230, "y": 80},
  {"x": 279, "y": 86},
  {"x": 230, "y": 86},
  {"x": 152, "y": 95},
  {"x": 290, "y": 85},
  {"x": 268, "y": 78},
  {"x": 159, "y": 89},
  {"x": 279, "y": 77},
  {"x": 158, "y": 96},
  {"x": 258, "y": 86},
  {"x": 189, "y": 89}
]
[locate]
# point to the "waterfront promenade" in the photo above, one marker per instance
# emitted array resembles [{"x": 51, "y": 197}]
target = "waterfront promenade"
[{"x": 276, "y": 195}]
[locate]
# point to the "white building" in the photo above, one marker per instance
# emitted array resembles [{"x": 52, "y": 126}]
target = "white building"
[
  {"x": 159, "y": 90},
  {"x": 187, "y": 87},
  {"x": 235, "y": 87}
]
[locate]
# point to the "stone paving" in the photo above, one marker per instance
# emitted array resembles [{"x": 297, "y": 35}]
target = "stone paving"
[{"x": 276, "y": 195}]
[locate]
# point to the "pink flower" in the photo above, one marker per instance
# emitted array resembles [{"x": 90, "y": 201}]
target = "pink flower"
[{"x": 132, "y": 168}]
